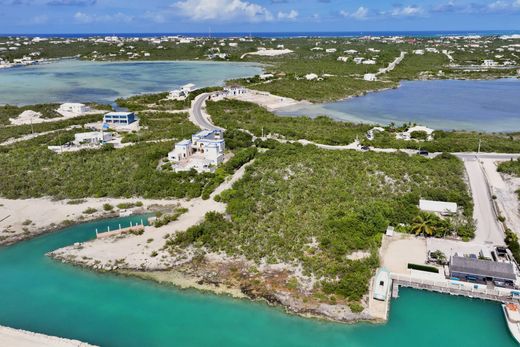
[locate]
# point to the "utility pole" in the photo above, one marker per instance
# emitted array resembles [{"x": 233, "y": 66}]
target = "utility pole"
[{"x": 479, "y": 143}]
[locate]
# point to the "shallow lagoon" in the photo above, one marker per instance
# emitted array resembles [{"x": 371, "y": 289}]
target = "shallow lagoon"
[
  {"x": 39, "y": 294},
  {"x": 490, "y": 105},
  {"x": 83, "y": 81}
]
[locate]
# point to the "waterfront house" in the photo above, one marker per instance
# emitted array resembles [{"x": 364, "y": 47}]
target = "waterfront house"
[
  {"x": 119, "y": 118},
  {"x": 73, "y": 108},
  {"x": 501, "y": 274}
]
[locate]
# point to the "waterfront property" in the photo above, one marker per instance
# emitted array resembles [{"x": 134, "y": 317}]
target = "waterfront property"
[
  {"x": 181, "y": 93},
  {"x": 203, "y": 152},
  {"x": 69, "y": 108},
  {"x": 482, "y": 271},
  {"x": 119, "y": 118}
]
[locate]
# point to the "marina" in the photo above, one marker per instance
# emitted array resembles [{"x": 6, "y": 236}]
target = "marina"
[{"x": 144, "y": 313}]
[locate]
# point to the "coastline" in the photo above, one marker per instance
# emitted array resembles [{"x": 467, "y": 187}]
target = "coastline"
[{"x": 24, "y": 338}]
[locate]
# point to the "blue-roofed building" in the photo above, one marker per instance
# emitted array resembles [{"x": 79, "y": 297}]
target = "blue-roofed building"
[{"x": 119, "y": 118}]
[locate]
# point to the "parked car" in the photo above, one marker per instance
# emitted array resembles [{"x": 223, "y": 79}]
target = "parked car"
[
  {"x": 423, "y": 152},
  {"x": 365, "y": 148}
]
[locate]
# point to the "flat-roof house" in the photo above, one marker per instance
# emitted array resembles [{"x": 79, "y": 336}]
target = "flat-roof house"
[
  {"x": 119, "y": 118},
  {"x": 482, "y": 271},
  {"x": 203, "y": 152},
  {"x": 71, "y": 107},
  {"x": 93, "y": 137},
  {"x": 441, "y": 207}
]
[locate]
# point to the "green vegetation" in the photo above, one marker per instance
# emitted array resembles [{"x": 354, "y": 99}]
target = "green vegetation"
[
  {"x": 233, "y": 114},
  {"x": 160, "y": 126},
  {"x": 159, "y": 101},
  {"x": 127, "y": 205},
  {"x": 303, "y": 205},
  {"x": 21, "y": 130},
  {"x": 511, "y": 167},
  {"x": 166, "y": 219},
  {"x": 131, "y": 171},
  {"x": 421, "y": 267},
  {"x": 451, "y": 141},
  {"x": 511, "y": 241},
  {"x": 90, "y": 210},
  {"x": 107, "y": 207}
]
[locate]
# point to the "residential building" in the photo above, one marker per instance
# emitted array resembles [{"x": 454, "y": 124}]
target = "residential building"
[
  {"x": 203, "y": 152},
  {"x": 74, "y": 108},
  {"x": 94, "y": 137},
  {"x": 119, "y": 118},
  {"x": 370, "y": 77}
]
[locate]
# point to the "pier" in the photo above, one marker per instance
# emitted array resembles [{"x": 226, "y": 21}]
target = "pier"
[
  {"x": 471, "y": 290},
  {"x": 137, "y": 228}
]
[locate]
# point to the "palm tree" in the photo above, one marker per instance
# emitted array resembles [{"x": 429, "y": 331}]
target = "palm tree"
[{"x": 423, "y": 224}]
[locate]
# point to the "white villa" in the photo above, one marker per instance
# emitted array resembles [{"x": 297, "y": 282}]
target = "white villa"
[
  {"x": 370, "y": 77},
  {"x": 93, "y": 137},
  {"x": 203, "y": 152},
  {"x": 75, "y": 108},
  {"x": 182, "y": 93}
]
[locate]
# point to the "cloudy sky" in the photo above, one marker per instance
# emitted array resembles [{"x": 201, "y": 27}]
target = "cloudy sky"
[{"x": 127, "y": 16}]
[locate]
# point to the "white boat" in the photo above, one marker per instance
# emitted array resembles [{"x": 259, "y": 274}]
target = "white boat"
[
  {"x": 381, "y": 284},
  {"x": 512, "y": 314}
]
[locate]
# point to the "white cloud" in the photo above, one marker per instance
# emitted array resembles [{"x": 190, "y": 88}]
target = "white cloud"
[
  {"x": 85, "y": 18},
  {"x": 223, "y": 10},
  {"x": 291, "y": 15},
  {"x": 407, "y": 11},
  {"x": 361, "y": 13}
]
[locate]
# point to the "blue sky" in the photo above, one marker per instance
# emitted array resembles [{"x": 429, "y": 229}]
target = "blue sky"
[{"x": 111, "y": 16}]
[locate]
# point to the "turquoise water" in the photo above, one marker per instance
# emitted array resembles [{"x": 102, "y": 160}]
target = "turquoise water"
[
  {"x": 492, "y": 105},
  {"x": 84, "y": 81},
  {"x": 39, "y": 294}
]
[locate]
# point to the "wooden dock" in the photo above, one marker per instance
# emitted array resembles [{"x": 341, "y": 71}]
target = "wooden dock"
[{"x": 134, "y": 229}]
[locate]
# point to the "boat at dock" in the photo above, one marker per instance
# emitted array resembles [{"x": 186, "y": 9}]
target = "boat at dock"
[
  {"x": 512, "y": 315},
  {"x": 381, "y": 284}
]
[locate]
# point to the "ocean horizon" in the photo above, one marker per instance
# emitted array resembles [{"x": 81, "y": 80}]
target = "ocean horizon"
[{"x": 281, "y": 34}]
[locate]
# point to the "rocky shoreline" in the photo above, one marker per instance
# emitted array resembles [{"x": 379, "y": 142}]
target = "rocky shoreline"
[{"x": 234, "y": 280}]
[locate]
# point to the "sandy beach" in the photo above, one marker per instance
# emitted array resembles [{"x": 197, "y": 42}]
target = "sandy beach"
[
  {"x": 270, "y": 101},
  {"x": 21, "y": 219},
  {"x": 10, "y": 337}
]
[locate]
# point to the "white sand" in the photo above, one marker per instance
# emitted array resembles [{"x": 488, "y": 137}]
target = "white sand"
[
  {"x": 20, "y": 338},
  {"x": 32, "y": 117},
  {"x": 267, "y": 100},
  {"x": 45, "y": 213},
  {"x": 399, "y": 250},
  {"x": 504, "y": 187},
  {"x": 268, "y": 52},
  {"x": 135, "y": 251}
]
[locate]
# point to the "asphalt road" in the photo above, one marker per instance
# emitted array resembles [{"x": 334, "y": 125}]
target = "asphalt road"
[
  {"x": 488, "y": 230},
  {"x": 197, "y": 114}
]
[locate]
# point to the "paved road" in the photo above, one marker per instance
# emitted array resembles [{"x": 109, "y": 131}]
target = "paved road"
[
  {"x": 198, "y": 115},
  {"x": 489, "y": 230}
]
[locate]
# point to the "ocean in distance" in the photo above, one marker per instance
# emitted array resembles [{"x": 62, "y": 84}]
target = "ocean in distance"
[
  {"x": 435, "y": 33},
  {"x": 42, "y": 295}
]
